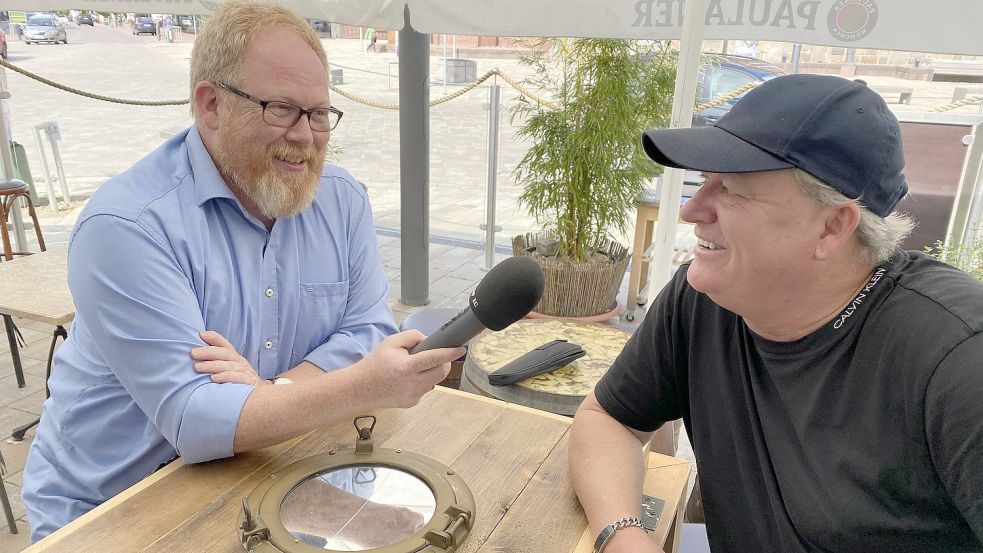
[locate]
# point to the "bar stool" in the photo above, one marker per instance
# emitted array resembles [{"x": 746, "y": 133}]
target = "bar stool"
[{"x": 10, "y": 190}]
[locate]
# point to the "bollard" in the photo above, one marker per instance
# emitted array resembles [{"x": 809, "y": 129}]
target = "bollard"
[{"x": 50, "y": 128}]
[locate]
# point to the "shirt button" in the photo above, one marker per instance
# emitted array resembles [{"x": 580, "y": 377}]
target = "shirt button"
[
  {"x": 268, "y": 344},
  {"x": 269, "y": 292}
]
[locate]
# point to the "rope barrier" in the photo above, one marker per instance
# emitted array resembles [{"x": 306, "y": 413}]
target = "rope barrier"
[
  {"x": 66, "y": 88},
  {"x": 371, "y": 103},
  {"x": 968, "y": 101},
  {"x": 723, "y": 98}
]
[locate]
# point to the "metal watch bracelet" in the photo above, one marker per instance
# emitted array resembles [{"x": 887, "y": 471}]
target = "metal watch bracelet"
[{"x": 608, "y": 531}]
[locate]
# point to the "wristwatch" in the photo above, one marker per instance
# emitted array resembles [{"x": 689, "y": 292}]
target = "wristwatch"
[{"x": 608, "y": 531}]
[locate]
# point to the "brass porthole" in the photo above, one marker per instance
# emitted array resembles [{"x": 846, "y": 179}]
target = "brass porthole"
[{"x": 358, "y": 499}]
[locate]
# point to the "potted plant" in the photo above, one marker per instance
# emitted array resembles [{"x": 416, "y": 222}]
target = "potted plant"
[{"x": 585, "y": 167}]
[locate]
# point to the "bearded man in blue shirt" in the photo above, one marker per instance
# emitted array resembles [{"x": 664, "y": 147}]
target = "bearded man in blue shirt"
[{"x": 229, "y": 257}]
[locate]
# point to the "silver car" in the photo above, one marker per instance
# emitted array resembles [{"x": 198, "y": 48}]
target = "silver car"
[{"x": 45, "y": 28}]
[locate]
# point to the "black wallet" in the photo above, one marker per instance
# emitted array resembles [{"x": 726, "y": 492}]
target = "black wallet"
[{"x": 547, "y": 357}]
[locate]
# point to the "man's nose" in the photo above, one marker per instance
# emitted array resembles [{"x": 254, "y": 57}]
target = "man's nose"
[
  {"x": 699, "y": 208},
  {"x": 301, "y": 131}
]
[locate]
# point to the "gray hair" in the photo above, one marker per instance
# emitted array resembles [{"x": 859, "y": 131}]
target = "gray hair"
[{"x": 879, "y": 236}]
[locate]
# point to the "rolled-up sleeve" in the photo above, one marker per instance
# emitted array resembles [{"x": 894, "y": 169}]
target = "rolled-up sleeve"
[
  {"x": 144, "y": 318},
  {"x": 368, "y": 318}
]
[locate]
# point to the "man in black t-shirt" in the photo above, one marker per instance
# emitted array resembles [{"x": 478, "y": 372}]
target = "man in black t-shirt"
[{"x": 831, "y": 384}]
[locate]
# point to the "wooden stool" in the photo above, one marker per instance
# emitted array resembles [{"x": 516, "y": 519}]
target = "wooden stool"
[
  {"x": 638, "y": 275},
  {"x": 10, "y": 190}
]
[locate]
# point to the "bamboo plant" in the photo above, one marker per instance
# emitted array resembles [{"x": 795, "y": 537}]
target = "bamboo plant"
[{"x": 586, "y": 164}]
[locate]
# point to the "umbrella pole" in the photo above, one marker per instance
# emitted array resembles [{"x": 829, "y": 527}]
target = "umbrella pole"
[
  {"x": 682, "y": 117},
  {"x": 414, "y": 163}
]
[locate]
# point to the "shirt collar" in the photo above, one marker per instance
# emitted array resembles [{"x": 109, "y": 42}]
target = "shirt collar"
[{"x": 209, "y": 184}]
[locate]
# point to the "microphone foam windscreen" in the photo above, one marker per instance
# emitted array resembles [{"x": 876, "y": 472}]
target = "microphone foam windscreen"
[{"x": 508, "y": 292}]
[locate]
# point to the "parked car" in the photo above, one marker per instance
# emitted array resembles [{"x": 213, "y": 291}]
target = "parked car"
[
  {"x": 722, "y": 74},
  {"x": 188, "y": 25},
  {"x": 144, "y": 25},
  {"x": 86, "y": 19},
  {"x": 3, "y": 45},
  {"x": 45, "y": 28}
]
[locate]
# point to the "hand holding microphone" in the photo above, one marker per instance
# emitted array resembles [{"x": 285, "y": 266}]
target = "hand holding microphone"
[{"x": 507, "y": 293}]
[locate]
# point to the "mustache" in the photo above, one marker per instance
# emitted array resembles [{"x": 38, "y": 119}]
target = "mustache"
[{"x": 284, "y": 150}]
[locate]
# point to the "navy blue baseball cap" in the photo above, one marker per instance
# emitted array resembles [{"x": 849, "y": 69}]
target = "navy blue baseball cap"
[{"x": 837, "y": 130}]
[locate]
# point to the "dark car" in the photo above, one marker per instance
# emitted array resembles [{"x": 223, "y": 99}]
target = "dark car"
[
  {"x": 86, "y": 19},
  {"x": 144, "y": 25},
  {"x": 721, "y": 74}
]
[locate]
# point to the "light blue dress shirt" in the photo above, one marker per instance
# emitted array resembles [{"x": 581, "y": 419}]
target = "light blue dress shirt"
[{"x": 160, "y": 253}]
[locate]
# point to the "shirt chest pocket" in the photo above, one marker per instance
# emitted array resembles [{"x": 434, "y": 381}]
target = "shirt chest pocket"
[{"x": 320, "y": 312}]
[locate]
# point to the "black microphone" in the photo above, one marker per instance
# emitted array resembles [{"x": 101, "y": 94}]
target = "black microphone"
[{"x": 507, "y": 293}]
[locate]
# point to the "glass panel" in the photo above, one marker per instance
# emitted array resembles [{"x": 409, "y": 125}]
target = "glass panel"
[
  {"x": 357, "y": 507},
  {"x": 724, "y": 81}
]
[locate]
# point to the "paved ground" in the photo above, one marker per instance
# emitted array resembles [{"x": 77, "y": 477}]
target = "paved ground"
[{"x": 101, "y": 139}]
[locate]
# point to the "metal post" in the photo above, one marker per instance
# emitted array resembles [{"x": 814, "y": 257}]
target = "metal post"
[
  {"x": 445, "y": 64},
  {"x": 494, "y": 93},
  {"x": 414, "y": 163},
  {"x": 7, "y": 161},
  {"x": 48, "y": 184},
  {"x": 53, "y": 136},
  {"x": 969, "y": 196},
  {"x": 796, "y": 51}
]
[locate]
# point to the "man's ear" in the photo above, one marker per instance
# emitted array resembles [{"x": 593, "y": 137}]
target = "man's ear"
[
  {"x": 840, "y": 226},
  {"x": 206, "y": 102}
]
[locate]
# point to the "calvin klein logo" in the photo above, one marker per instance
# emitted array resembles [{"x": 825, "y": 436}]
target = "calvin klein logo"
[{"x": 859, "y": 300}]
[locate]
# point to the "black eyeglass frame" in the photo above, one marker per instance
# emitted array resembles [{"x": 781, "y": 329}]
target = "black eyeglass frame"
[{"x": 300, "y": 111}]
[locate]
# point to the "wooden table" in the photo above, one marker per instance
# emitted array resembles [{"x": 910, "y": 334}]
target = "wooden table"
[
  {"x": 35, "y": 287},
  {"x": 560, "y": 391},
  {"x": 513, "y": 458}
]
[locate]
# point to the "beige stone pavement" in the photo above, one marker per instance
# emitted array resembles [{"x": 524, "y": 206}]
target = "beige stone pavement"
[{"x": 100, "y": 140}]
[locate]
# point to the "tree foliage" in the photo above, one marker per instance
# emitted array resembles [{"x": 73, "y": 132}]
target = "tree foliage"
[
  {"x": 968, "y": 257},
  {"x": 586, "y": 164}
]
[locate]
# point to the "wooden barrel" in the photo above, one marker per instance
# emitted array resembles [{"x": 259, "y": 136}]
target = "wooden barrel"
[{"x": 560, "y": 391}]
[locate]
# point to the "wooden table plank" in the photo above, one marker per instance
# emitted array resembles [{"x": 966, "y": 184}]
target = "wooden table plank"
[
  {"x": 500, "y": 462},
  {"x": 35, "y": 287},
  {"x": 547, "y": 517}
]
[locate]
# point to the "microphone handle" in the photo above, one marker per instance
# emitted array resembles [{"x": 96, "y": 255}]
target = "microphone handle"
[{"x": 455, "y": 332}]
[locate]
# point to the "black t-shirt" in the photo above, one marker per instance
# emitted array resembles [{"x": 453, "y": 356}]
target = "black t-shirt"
[{"x": 864, "y": 436}]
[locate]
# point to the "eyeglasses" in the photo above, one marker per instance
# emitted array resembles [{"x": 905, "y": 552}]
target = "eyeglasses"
[{"x": 285, "y": 115}]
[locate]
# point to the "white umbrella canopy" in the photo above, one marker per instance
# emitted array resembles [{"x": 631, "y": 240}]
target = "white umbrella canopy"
[{"x": 943, "y": 26}]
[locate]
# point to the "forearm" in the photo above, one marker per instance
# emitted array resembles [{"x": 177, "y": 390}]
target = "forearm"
[
  {"x": 607, "y": 470},
  {"x": 303, "y": 372},
  {"x": 273, "y": 414}
]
